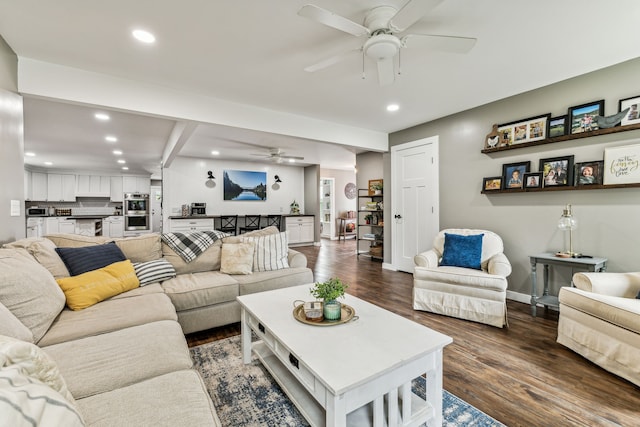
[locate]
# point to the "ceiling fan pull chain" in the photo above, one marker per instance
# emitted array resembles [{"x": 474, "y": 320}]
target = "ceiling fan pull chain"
[
  {"x": 399, "y": 61},
  {"x": 363, "y": 75}
]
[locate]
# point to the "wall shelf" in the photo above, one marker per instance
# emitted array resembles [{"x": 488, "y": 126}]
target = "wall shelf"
[
  {"x": 561, "y": 138},
  {"x": 561, "y": 188}
]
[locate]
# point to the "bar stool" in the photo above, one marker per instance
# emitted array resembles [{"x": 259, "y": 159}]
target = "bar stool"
[
  {"x": 229, "y": 224},
  {"x": 273, "y": 220},
  {"x": 251, "y": 223}
]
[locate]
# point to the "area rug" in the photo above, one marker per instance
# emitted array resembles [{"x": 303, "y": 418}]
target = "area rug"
[{"x": 247, "y": 395}]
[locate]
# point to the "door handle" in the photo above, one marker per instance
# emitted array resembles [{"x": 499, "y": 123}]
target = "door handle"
[{"x": 396, "y": 216}]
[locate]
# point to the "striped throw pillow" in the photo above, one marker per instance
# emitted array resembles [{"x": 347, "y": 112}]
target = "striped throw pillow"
[
  {"x": 154, "y": 271},
  {"x": 271, "y": 252}
]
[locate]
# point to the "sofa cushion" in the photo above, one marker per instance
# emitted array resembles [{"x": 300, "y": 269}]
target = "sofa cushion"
[
  {"x": 158, "y": 270},
  {"x": 12, "y": 327},
  {"x": 90, "y": 288},
  {"x": 237, "y": 258},
  {"x": 81, "y": 260},
  {"x": 63, "y": 240},
  {"x": 174, "y": 399},
  {"x": 143, "y": 248},
  {"x": 44, "y": 251},
  {"x": 203, "y": 289},
  {"x": 110, "y": 315},
  {"x": 209, "y": 260},
  {"x": 29, "y": 291},
  {"x": 462, "y": 251},
  {"x": 269, "y": 280},
  {"x": 271, "y": 251},
  {"x": 460, "y": 276},
  {"x": 117, "y": 359}
]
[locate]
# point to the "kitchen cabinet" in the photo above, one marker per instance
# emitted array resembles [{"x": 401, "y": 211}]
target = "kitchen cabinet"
[
  {"x": 61, "y": 188},
  {"x": 190, "y": 224},
  {"x": 93, "y": 186},
  {"x": 67, "y": 226},
  {"x": 55, "y": 224},
  {"x": 39, "y": 186},
  {"x": 117, "y": 195},
  {"x": 300, "y": 229},
  {"x": 136, "y": 184},
  {"x": 113, "y": 226}
]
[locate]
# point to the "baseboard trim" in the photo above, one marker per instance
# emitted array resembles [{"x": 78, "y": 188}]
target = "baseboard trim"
[
  {"x": 525, "y": 299},
  {"x": 388, "y": 266}
]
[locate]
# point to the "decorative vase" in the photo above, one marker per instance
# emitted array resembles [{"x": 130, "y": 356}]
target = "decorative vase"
[
  {"x": 377, "y": 192},
  {"x": 332, "y": 310}
]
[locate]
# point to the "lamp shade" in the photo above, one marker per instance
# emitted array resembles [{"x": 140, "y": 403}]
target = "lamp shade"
[{"x": 567, "y": 221}]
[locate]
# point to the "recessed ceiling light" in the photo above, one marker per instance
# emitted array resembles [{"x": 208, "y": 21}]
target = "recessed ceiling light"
[
  {"x": 111, "y": 138},
  {"x": 125, "y": 168},
  {"x": 48, "y": 163},
  {"x": 215, "y": 153},
  {"x": 117, "y": 152},
  {"x": 292, "y": 160},
  {"x": 393, "y": 107},
  {"x": 122, "y": 161},
  {"x": 29, "y": 154},
  {"x": 144, "y": 36},
  {"x": 102, "y": 116}
]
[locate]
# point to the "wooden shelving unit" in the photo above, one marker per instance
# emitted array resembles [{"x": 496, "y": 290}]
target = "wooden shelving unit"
[{"x": 375, "y": 248}]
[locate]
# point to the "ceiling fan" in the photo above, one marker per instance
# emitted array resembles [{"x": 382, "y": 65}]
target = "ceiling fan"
[
  {"x": 278, "y": 156},
  {"x": 384, "y": 27}
]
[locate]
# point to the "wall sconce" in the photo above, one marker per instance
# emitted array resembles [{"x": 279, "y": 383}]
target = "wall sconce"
[
  {"x": 210, "y": 180},
  {"x": 276, "y": 185}
]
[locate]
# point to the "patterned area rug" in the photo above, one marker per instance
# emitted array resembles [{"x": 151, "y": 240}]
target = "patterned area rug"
[{"x": 247, "y": 395}]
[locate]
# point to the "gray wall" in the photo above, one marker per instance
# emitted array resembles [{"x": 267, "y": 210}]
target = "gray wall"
[
  {"x": 11, "y": 148},
  {"x": 608, "y": 219}
]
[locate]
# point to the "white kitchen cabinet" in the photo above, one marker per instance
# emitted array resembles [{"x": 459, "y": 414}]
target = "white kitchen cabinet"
[
  {"x": 67, "y": 226},
  {"x": 61, "y": 188},
  {"x": 59, "y": 224},
  {"x": 93, "y": 186},
  {"x": 117, "y": 195},
  {"x": 39, "y": 186},
  {"x": 300, "y": 229},
  {"x": 136, "y": 184},
  {"x": 187, "y": 224},
  {"x": 51, "y": 225},
  {"x": 113, "y": 226}
]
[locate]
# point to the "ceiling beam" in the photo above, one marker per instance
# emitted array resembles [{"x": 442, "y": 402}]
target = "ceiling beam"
[{"x": 180, "y": 134}]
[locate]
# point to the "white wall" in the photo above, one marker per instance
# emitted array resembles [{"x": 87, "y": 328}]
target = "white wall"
[
  {"x": 185, "y": 182},
  {"x": 608, "y": 219}
]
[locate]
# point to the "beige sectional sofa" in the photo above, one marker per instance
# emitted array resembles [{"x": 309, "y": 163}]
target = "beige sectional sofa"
[
  {"x": 123, "y": 361},
  {"x": 600, "y": 320}
]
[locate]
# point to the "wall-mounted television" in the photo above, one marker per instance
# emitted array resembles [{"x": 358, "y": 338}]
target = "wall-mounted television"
[{"x": 245, "y": 185}]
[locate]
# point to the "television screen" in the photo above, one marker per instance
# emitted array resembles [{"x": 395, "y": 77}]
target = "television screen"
[{"x": 245, "y": 185}]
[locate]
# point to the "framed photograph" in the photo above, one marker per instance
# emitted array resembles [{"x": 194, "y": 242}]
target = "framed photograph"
[
  {"x": 588, "y": 173},
  {"x": 492, "y": 183},
  {"x": 622, "y": 165},
  {"x": 582, "y": 117},
  {"x": 633, "y": 104},
  {"x": 375, "y": 186},
  {"x": 245, "y": 185},
  {"x": 557, "y": 126},
  {"x": 557, "y": 171},
  {"x": 518, "y": 132},
  {"x": 533, "y": 180},
  {"x": 513, "y": 174}
]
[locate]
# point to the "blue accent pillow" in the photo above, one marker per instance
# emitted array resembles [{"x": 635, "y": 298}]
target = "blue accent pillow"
[
  {"x": 89, "y": 258},
  {"x": 462, "y": 251}
]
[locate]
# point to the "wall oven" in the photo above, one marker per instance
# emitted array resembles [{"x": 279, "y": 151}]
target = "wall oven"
[{"x": 136, "y": 212}]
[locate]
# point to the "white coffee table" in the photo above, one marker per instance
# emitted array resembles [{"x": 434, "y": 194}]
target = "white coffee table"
[{"x": 356, "y": 373}]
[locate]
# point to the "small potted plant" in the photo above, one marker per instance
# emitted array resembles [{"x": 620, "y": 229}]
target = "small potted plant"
[
  {"x": 329, "y": 292},
  {"x": 368, "y": 218},
  {"x": 376, "y": 187}
]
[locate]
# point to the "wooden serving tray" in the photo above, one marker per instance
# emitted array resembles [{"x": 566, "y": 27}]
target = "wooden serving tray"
[{"x": 347, "y": 313}]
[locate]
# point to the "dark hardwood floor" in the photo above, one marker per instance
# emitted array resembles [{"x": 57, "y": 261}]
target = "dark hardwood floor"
[{"x": 518, "y": 375}]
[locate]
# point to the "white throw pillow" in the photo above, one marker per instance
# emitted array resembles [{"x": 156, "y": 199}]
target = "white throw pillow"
[
  {"x": 271, "y": 252},
  {"x": 237, "y": 258}
]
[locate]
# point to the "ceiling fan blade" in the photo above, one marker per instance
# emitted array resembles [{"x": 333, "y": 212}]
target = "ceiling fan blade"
[
  {"x": 332, "y": 20},
  {"x": 449, "y": 44},
  {"x": 412, "y": 11},
  {"x": 292, "y": 157},
  {"x": 325, "y": 63},
  {"x": 386, "y": 73}
]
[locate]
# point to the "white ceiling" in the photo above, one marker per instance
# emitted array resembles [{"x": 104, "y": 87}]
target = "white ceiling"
[{"x": 253, "y": 52}]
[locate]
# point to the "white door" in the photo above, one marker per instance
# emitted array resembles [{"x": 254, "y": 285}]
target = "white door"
[
  {"x": 156, "y": 208},
  {"x": 415, "y": 201}
]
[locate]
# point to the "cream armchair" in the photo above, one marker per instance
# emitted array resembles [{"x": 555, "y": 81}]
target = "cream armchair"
[
  {"x": 600, "y": 320},
  {"x": 479, "y": 295}
]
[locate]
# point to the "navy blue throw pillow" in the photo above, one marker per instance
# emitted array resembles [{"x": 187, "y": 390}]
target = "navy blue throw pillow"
[
  {"x": 462, "y": 251},
  {"x": 89, "y": 258}
]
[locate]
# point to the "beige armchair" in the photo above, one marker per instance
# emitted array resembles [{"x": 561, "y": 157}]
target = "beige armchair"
[
  {"x": 473, "y": 294},
  {"x": 600, "y": 320}
]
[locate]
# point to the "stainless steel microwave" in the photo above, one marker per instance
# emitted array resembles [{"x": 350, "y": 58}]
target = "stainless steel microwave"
[{"x": 37, "y": 211}]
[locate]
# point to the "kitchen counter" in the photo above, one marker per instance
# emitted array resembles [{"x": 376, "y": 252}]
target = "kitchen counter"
[{"x": 194, "y": 216}]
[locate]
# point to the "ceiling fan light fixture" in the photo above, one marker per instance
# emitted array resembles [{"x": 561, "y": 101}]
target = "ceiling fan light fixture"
[{"x": 382, "y": 47}]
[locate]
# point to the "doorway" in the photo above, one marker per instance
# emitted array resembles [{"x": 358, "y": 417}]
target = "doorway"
[
  {"x": 415, "y": 201},
  {"x": 156, "y": 208},
  {"x": 327, "y": 208}
]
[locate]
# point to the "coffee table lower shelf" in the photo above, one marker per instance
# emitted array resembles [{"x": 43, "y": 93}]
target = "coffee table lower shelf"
[{"x": 311, "y": 409}]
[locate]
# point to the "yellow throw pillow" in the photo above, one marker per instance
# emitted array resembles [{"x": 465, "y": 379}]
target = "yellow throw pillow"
[{"x": 90, "y": 288}]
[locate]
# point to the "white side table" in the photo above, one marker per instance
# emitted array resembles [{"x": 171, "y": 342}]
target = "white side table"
[{"x": 547, "y": 259}]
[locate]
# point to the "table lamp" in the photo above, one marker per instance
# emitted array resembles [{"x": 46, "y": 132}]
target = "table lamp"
[{"x": 568, "y": 222}]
